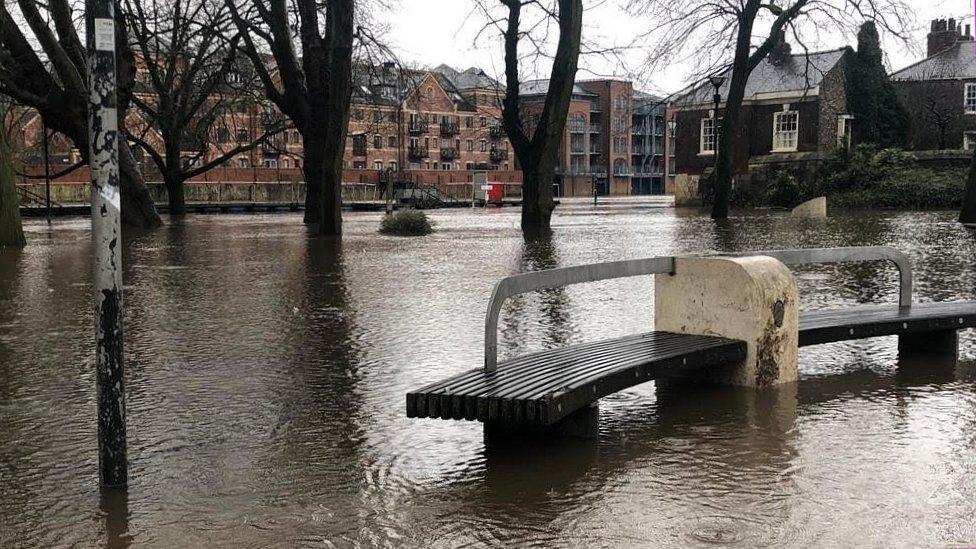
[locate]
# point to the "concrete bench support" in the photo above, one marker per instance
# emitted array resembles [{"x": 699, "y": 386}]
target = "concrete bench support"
[
  {"x": 753, "y": 299},
  {"x": 943, "y": 343}
]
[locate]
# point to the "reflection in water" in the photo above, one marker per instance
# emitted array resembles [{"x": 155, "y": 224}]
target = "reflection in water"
[{"x": 267, "y": 370}]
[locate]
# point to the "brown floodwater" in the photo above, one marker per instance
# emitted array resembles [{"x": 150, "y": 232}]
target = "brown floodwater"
[{"x": 267, "y": 368}]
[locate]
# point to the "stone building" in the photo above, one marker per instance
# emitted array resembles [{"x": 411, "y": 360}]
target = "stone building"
[
  {"x": 794, "y": 111},
  {"x": 939, "y": 92}
]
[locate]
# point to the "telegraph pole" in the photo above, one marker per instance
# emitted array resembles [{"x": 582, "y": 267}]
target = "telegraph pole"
[{"x": 103, "y": 136}]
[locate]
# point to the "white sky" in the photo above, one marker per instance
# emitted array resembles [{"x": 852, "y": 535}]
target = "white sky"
[{"x": 430, "y": 32}]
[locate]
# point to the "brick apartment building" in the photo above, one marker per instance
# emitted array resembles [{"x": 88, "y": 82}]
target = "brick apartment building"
[
  {"x": 441, "y": 125},
  {"x": 939, "y": 92},
  {"x": 794, "y": 111}
]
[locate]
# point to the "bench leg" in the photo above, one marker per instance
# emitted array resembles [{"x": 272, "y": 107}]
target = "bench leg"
[
  {"x": 945, "y": 343},
  {"x": 584, "y": 423}
]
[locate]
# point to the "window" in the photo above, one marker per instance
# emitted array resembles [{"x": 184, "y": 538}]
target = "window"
[
  {"x": 223, "y": 135},
  {"x": 393, "y": 166},
  {"x": 709, "y": 135},
  {"x": 270, "y": 163},
  {"x": 845, "y": 124},
  {"x": 483, "y": 146},
  {"x": 970, "y": 98},
  {"x": 577, "y": 123},
  {"x": 357, "y": 114},
  {"x": 392, "y": 142},
  {"x": 377, "y": 165},
  {"x": 377, "y": 141},
  {"x": 359, "y": 164},
  {"x": 482, "y": 121},
  {"x": 468, "y": 121},
  {"x": 241, "y": 162},
  {"x": 285, "y": 163},
  {"x": 470, "y": 145},
  {"x": 969, "y": 141},
  {"x": 242, "y": 135},
  {"x": 785, "y": 130}
]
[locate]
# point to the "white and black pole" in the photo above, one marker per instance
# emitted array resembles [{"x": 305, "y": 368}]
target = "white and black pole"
[{"x": 106, "y": 239}]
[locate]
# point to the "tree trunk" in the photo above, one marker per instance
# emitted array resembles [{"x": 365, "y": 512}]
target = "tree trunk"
[
  {"x": 138, "y": 210},
  {"x": 175, "y": 195},
  {"x": 339, "y": 38},
  {"x": 537, "y": 203},
  {"x": 11, "y": 229},
  {"x": 968, "y": 214},
  {"x": 312, "y": 156},
  {"x": 733, "y": 107}
]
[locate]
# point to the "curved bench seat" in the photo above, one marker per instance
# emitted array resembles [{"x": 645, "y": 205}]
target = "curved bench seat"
[{"x": 544, "y": 387}]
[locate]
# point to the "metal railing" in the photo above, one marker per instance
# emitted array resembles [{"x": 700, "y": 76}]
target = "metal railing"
[
  {"x": 556, "y": 278},
  {"x": 565, "y": 276}
]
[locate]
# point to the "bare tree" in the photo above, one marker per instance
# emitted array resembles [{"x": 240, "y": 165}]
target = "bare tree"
[
  {"x": 48, "y": 72},
  {"x": 310, "y": 84},
  {"x": 191, "y": 90},
  {"x": 704, "y": 32},
  {"x": 536, "y": 137}
]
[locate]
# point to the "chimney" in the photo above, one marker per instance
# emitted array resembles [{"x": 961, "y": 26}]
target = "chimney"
[
  {"x": 781, "y": 49},
  {"x": 943, "y": 35}
]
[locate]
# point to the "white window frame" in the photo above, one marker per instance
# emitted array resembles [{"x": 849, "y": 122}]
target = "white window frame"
[
  {"x": 969, "y": 98},
  {"x": 968, "y": 141},
  {"x": 778, "y": 141},
  {"x": 716, "y": 124},
  {"x": 843, "y": 137}
]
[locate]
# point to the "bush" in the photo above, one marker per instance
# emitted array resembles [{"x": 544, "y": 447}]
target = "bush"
[
  {"x": 406, "y": 223},
  {"x": 784, "y": 191}
]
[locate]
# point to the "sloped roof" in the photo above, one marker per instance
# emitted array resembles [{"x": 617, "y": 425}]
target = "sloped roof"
[
  {"x": 468, "y": 79},
  {"x": 956, "y": 61},
  {"x": 796, "y": 73},
  {"x": 541, "y": 87}
]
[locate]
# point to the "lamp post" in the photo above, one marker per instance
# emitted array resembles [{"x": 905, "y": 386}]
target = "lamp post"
[{"x": 717, "y": 80}]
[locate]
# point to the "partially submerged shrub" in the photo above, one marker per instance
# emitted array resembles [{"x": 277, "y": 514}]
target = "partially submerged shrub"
[
  {"x": 784, "y": 191},
  {"x": 406, "y": 223}
]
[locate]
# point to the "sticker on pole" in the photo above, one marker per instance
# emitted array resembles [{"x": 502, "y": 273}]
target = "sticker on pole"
[
  {"x": 104, "y": 35},
  {"x": 111, "y": 195}
]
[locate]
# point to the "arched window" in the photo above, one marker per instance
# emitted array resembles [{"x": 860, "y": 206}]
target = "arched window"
[{"x": 619, "y": 166}]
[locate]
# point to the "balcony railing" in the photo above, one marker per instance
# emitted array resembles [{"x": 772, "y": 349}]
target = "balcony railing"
[
  {"x": 581, "y": 170},
  {"x": 418, "y": 126},
  {"x": 497, "y": 155},
  {"x": 450, "y": 128},
  {"x": 596, "y": 128},
  {"x": 450, "y": 153},
  {"x": 419, "y": 153},
  {"x": 496, "y": 132},
  {"x": 595, "y": 106}
]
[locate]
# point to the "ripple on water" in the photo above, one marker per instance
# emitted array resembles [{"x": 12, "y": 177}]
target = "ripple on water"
[{"x": 266, "y": 374}]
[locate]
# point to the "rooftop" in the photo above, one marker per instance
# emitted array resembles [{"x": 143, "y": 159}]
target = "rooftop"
[
  {"x": 796, "y": 72},
  {"x": 956, "y": 61}
]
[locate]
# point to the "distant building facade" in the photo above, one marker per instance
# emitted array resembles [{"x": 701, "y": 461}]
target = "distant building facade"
[
  {"x": 795, "y": 110},
  {"x": 939, "y": 92}
]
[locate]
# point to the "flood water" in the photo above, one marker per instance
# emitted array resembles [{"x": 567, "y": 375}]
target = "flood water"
[{"x": 267, "y": 369}]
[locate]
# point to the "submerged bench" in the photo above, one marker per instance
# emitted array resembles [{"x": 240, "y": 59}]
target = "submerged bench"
[{"x": 545, "y": 389}]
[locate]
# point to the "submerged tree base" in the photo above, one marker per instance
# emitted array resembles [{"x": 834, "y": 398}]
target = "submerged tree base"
[{"x": 406, "y": 223}]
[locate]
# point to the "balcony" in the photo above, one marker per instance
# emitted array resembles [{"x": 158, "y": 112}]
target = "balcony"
[
  {"x": 419, "y": 153},
  {"x": 450, "y": 128},
  {"x": 497, "y": 155},
  {"x": 595, "y": 106},
  {"x": 496, "y": 132},
  {"x": 450, "y": 153},
  {"x": 416, "y": 127},
  {"x": 596, "y": 128}
]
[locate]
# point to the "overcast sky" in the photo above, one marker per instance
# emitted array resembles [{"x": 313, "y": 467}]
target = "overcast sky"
[{"x": 430, "y": 32}]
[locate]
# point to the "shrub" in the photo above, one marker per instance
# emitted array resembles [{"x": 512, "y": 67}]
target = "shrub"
[
  {"x": 406, "y": 223},
  {"x": 784, "y": 191}
]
